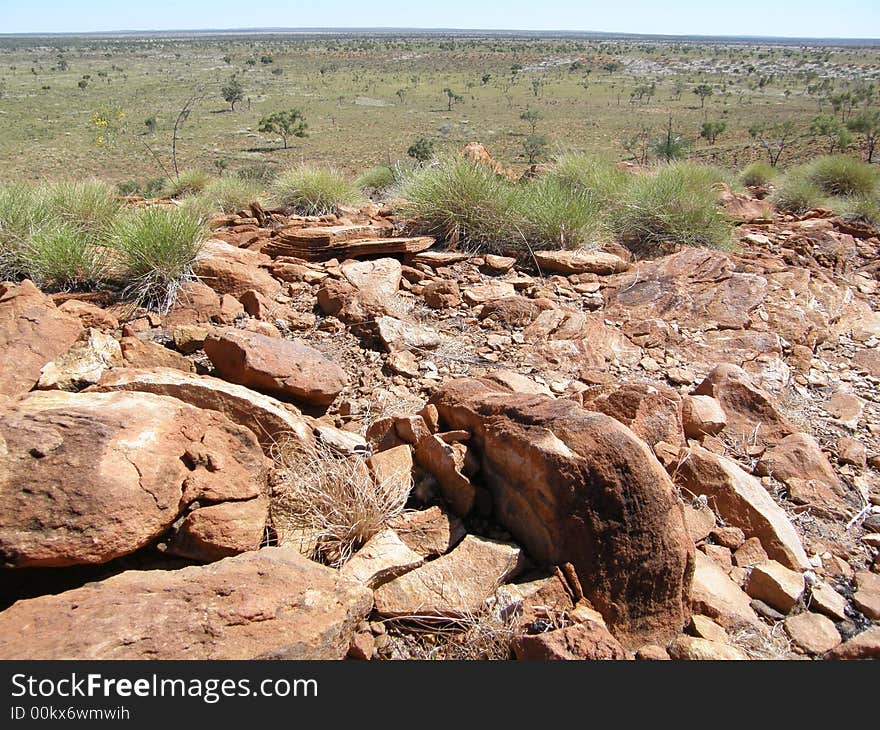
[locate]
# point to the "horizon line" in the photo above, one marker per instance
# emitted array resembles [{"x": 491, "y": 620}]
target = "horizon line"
[{"x": 392, "y": 29}]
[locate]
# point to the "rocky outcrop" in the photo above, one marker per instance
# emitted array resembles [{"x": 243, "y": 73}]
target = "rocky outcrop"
[
  {"x": 576, "y": 486},
  {"x": 269, "y": 604}
]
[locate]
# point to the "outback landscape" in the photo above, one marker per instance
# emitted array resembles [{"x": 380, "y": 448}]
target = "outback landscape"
[{"x": 411, "y": 345}]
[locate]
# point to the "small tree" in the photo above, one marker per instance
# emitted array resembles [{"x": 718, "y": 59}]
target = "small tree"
[
  {"x": 485, "y": 78},
  {"x": 833, "y": 130},
  {"x": 774, "y": 138},
  {"x": 285, "y": 124},
  {"x": 532, "y": 116},
  {"x": 401, "y": 94},
  {"x": 451, "y": 98},
  {"x": 82, "y": 83},
  {"x": 711, "y": 130},
  {"x": 639, "y": 144},
  {"x": 232, "y": 91},
  {"x": 704, "y": 91},
  {"x": 422, "y": 150},
  {"x": 867, "y": 123},
  {"x": 535, "y": 145},
  {"x": 670, "y": 146},
  {"x": 151, "y": 124}
]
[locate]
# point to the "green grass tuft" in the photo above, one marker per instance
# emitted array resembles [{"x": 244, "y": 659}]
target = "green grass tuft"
[
  {"x": 191, "y": 182},
  {"x": 312, "y": 190},
  {"x": 676, "y": 204},
  {"x": 232, "y": 194},
  {"x": 842, "y": 175},
  {"x": 155, "y": 250},
  {"x": 757, "y": 174},
  {"x": 376, "y": 178},
  {"x": 64, "y": 257},
  {"x": 795, "y": 193}
]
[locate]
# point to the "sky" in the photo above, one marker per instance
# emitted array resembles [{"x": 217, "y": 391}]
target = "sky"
[{"x": 787, "y": 18}]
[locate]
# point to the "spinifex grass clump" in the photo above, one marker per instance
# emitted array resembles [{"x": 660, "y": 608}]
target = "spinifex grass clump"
[
  {"x": 231, "y": 194},
  {"x": 757, "y": 174},
  {"x": 17, "y": 203},
  {"x": 604, "y": 182},
  {"x": 862, "y": 208},
  {"x": 191, "y": 182},
  {"x": 377, "y": 178},
  {"x": 312, "y": 190},
  {"x": 795, "y": 193},
  {"x": 63, "y": 256},
  {"x": 676, "y": 204},
  {"x": 154, "y": 252},
  {"x": 842, "y": 175},
  {"x": 90, "y": 206},
  {"x": 559, "y": 215}
]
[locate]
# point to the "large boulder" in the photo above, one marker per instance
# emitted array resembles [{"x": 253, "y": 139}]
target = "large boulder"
[
  {"x": 580, "y": 487},
  {"x": 89, "y": 477},
  {"x": 32, "y": 333},
  {"x": 269, "y": 419},
  {"x": 279, "y": 367},
  {"x": 269, "y": 604}
]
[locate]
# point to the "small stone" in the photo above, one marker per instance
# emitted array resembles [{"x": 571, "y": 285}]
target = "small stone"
[
  {"x": 693, "y": 648},
  {"x": 705, "y": 628},
  {"x": 867, "y": 595},
  {"x": 749, "y": 553},
  {"x": 702, "y": 415},
  {"x": 776, "y": 585},
  {"x": 362, "y": 646},
  {"x": 382, "y": 558},
  {"x": 729, "y": 537},
  {"x": 699, "y": 522},
  {"x": 825, "y": 599},
  {"x": 812, "y": 632},
  {"x": 850, "y": 451},
  {"x": 652, "y": 653}
]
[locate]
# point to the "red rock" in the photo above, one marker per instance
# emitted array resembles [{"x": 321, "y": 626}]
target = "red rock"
[
  {"x": 581, "y": 641},
  {"x": 89, "y": 477},
  {"x": 776, "y": 585},
  {"x": 442, "y": 294},
  {"x": 515, "y": 311},
  {"x": 694, "y": 649},
  {"x": 715, "y": 595},
  {"x": 35, "y": 330},
  {"x": 741, "y": 500},
  {"x": 702, "y": 415},
  {"x": 579, "y": 262},
  {"x": 382, "y": 558},
  {"x": 230, "y": 270},
  {"x": 750, "y": 410},
  {"x": 218, "y": 531},
  {"x": 799, "y": 457},
  {"x": 812, "y": 632},
  {"x": 867, "y": 595},
  {"x": 850, "y": 451},
  {"x": 268, "y": 604},
  {"x": 652, "y": 653},
  {"x": 750, "y": 553},
  {"x": 651, "y": 410},
  {"x": 392, "y": 469},
  {"x": 196, "y": 303},
  {"x": 278, "y": 367},
  {"x": 865, "y": 645},
  {"x": 579, "y": 487},
  {"x": 89, "y": 315},
  {"x": 428, "y": 532},
  {"x": 447, "y": 463},
  {"x": 379, "y": 277},
  {"x": 138, "y": 353}
]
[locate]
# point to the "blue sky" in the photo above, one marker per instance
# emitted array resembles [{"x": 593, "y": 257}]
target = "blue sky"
[{"x": 801, "y": 18}]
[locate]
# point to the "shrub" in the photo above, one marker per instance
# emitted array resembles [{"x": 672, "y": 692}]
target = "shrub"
[
  {"x": 422, "y": 150},
  {"x": 377, "y": 178},
  {"x": 677, "y": 204},
  {"x": 757, "y": 174},
  {"x": 329, "y": 503},
  {"x": 17, "y": 206},
  {"x": 796, "y": 194},
  {"x": 262, "y": 173},
  {"x": 155, "y": 249},
  {"x": 231, "y": 194},
  {"x": 841, "y": 175},
  {"x": 191, "y": 182},
  {"x": 312, "y": 190}
]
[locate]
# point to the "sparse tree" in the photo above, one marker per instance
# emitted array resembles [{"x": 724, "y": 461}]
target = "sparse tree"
[
  {"x": 486, "y": 78},
  {"x": 535, "y": 146},
  {"x": 704, "y": 91},
  {"x": 712, "y": 129},
  {"x": 286, "y": 124},
  {"x": 639, "y": 144},
  {"x": 451, "y": 98},
  {"x": 232, "y": 91},
  {"x": 401, "y": 95},
  {"x": 532, "y": 117},
  {"x": 774, "y": 138},
  {"x": 422, "y": 150},
  {"x": 82, "y": 83},
  {"x": 867, "y": 123},
  {"x": 833, "y": 130},
  {"x": 151, "y": 124},
  {"x": 670, "y": 146}
]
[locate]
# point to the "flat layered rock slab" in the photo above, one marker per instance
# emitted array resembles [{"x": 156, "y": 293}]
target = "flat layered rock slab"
[
  {"x": 452, "y": 586},
  {"x": 322, "y": 250},
  {"x": 269, "y": 604}
]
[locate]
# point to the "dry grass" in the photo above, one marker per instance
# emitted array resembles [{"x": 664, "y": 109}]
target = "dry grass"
[{"x": 329, "y": 500}]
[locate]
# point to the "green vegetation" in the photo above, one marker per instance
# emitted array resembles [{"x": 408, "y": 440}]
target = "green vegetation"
[
  {"x": 231, "y": 194},
  {"x": 286, "y": 124},
  {"x": 866, "y": 209},
  {"x": 841, "y": 175},
  {"x": 376, "y": 179},
  {"x": 794, "y": 193},
  {"x": 154, "y": 250},
  {"x": 677, "y": 204},
  {"x": 757, "y": 174},
  {"x": 421, "y": 150},
  {"x": 312, "y": 190},
  {"x": 191, "y": 182}
]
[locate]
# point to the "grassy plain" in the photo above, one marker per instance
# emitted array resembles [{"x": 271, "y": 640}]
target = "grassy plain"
[{"x": 367, "y": 97}]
